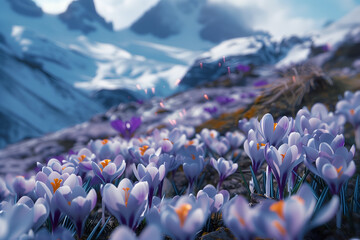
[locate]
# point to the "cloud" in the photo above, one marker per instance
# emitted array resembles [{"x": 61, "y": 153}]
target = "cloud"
[
  {"x": 274, "y": 16},
  {"x": 123, "y": 12},
  {"x": 53, "y": 6}
]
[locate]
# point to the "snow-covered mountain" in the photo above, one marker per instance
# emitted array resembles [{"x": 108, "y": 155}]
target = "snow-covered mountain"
[{"x": 59, "y": 70}]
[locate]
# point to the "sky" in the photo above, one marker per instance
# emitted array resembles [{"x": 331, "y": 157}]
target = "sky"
[{"x": 279, "y": 17}]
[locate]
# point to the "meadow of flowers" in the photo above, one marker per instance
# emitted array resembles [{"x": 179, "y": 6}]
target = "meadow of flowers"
[{"x": 300, "y": 166}]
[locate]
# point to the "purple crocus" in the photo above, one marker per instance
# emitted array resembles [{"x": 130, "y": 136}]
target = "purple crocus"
[
  {"x": 183, "y": 219},
  {"x": 40, "y": 208},
  {"x": 126, "y": 128},
  {"x": 282, "y": 161},
  {"x": 22, "y": 186},
  {"x": 327, "y": 145},
  {"x": 46, "y": 187},
  {"x": 350, "y": 108},
  {"x": 243, "y": 68},
  {"x": 235, "y": 139},
  {"x": 212, "y": 110},
  {"x": 127, "y": 202},
  {"x": 222, "y": 100},
  {"x": 82, "y": 160},
  {"x": 292, "y": 218},
  {"x": 105, "y": 149},
  {"x": 125, "y": 233},
  {"x": 15, "y": 220},
  {"x": 216, "y": 199},
  {"x": 193, "y": 163},
  {"x": 107, "y": 171},
  {"x": 274, "y": 133},
  {"x": 306, "y": 122},
  {"x": 76, "y": 204},
  {"x": 255, "y": 150},
  {"x": 238, "y": 217},
  {"x": 151, "y": 174},
  {"x": 224, "y": 168}
]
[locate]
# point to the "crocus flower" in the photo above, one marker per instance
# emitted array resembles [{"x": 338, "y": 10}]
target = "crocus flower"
[
  {"x": 193, "y": 163},
  {"x": 292, "y": 218},
  {"x": 105, "y": 149},
  {"x": 238, "y": 217},
  {"x": 40, "y": 208},
  {"x": 216, "y": 199},
  {"x": 224, "y": 168},
  {"x": 273, "y": 133},
  {"x": 224, "y": 100},
  {"x": 59, "y": 233},
  {"x": 107, "y": 170},
  {"x": 235, "y": 139},
  {"x": 4, "y": 191},
  {"x": 126, "y": 128},
  {"x": 15, "y": 220},
  {"x": 327, "y": 145},
  {"x": 306, "y": 122},
  {"x": 350, "y": 108},
  {"x": 124, "y": 233},
  {"x": 255, "y": 150},
  {"x": 245, "y": 125},
  {"x": 212, "y": 110},
  {"x": 219, "y": 146},
  {"x": 185, "y": 218},
  {"x": 22, "y": 186},
  {"x": 46, "y": 187},
  {"x": 335, "y": 170},
  {"x": 142, "y": 153},
  {"x": 82, "y": 160},
  {"x": 76, "y": 204},
  {"x": 282, "y": 161},
  {"x": 151, "y": 174},
  {"x": 243, "y": 68},
  {"x": 127, "y": 202}
]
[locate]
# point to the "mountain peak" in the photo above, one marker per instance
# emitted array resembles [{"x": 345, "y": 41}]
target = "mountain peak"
[
  {"x": 81, "y": 15},
  {"x": 26, "y": 7}
]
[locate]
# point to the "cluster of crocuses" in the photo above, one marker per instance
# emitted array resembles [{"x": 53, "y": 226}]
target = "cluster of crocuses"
[{"x": 124, "y": 176}]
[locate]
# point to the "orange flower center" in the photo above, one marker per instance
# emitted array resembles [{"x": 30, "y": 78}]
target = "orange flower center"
[
  {"x": 241, "y": 220},
  {"x": 275, "y": 124},
  {"x": 278, "y": 208},
  {"x": 105, "y": 141},
  {"x": 69, "y": 203},
  {"x": 183, "y": 212},
  {"x": 212, "y": 135},
  {"x": 127, "y": 195},
  {"x": 193, "y": 157},
  {"x": 104, "y": 163},
  {"x": 259, "y": 144},
  {"x": 279, "y": 227},
  {"x": 81, "y": 158},
  {"x": 191, "y": 142},
  {"x": 143, "y": 149},
  {"x": 56, "y": 184},
  {"x": 339, "y": 171},
  {"x": 283, "y": 156},
  {"x": 352, "y": 111}
]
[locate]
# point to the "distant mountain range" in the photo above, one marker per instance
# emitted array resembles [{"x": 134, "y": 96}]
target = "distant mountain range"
[{"x": 59, "y": 70}]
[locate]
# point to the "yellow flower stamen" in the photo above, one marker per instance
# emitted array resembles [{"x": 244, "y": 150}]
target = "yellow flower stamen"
[
  {"x": 259, "y": 144},
  {"x": 339, "y": 171},
  {"x": 352, "y": 111},
  {"x": 127, "y": 195},
  {"x": 56, "y": 184},
  {"x": 104, "y": 163},
  {"x": 275, "y": 124},
  {"x": 278, "y": 208},
  {"x": 105, "y": 141},
  {"x": 143, "y": 149},
  {"x": 283, "y": 156},
  {"x": 183, "y": 212},
  {"x": 279, "y": 227},
  {"x": 81, "y": 158}
]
